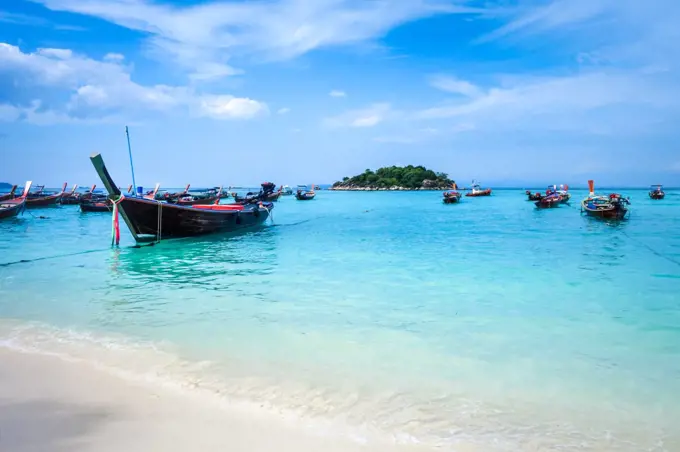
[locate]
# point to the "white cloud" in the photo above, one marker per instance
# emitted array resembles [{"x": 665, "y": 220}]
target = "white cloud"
[
  {"x": 337, "y": 93},
  {"x": 365, "y": 117},
  {"x": 616, "y": 98},
  {"x": 212, "y": 32},
  {"x": 114, "y": 57},
  {"x": 230, "y": 107},
  {"x": 100, "y": 88},
  {"x": 455, "y": 86},
  {"x": 283, "y": 111}
]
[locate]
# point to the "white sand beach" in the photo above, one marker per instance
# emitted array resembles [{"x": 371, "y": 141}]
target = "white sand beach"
[{"x": 48, "y": 404}]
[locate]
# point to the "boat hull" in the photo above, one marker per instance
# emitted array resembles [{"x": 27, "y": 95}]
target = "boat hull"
[
  {"x": 611, "y": 213},
  {"x": 11, "y": 208},
  {"x": 657, "y": 195},
  {"x": 486, "y": 192},
  {"x": 43, "y": 201},
  {"x": 167, "y": 221},
  {"x": 304, "y": 196},
  {"x": 96, "y": 206}
]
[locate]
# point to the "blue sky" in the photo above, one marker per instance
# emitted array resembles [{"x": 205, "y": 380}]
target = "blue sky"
[{"x": 308, "y": 91}]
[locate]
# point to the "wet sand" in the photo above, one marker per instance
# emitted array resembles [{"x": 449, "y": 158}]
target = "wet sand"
[{"x": 48, "y": 404}]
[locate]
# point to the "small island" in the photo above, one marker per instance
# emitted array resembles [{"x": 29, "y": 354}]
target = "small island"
[
  {"x": 5, "y": 186},
  {"x": 396, "y": 178}
]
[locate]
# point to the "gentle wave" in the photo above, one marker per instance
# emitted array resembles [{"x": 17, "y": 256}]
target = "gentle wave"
[{"x": 430, "y": 417}]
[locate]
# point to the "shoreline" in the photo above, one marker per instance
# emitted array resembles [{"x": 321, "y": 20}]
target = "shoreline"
[{"x": 82, "y": 408}]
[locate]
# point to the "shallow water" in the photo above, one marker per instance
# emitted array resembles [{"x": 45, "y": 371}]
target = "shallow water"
[{"x": 488, "y": 325}]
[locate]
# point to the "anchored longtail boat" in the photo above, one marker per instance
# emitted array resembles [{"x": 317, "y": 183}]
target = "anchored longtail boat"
[
  {"x": 72, "y": 197},
  {"x": 657, "y": 192},
  {"x": 302, "y": 194},
  {"x": 533, "y": 196},
  {"x": 10, "y": 195},
  {"x": 10, "y": 208},
  {"x": 39, "y": 199},
  {"x": 551, "y": 199},
  {"x": 613, "y": 206},
  {"x": 152, "y": 220},
  {"x": 453, "y": 196}
]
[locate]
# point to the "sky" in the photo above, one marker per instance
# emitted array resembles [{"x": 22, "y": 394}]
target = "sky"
[{"x": 509, "y": 92}]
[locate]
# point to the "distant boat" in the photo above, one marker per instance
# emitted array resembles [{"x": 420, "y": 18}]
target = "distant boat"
[
  {"x": 564, "y": 193},
  {"x": 453, "y": 196},
  {"x": 72, "y": 197},
  {"x": 303, "y": 194},
  {"x": 533, "y": 196},
  {"x": 286, "y": 190},
  {"x": 10, "y": 208},
  {"x": 613, "y": 206},
  {"x": 476, "y": 190},
  {"x": 39, "y": 199},
  {"x": 551, "y": 199},
  {"x": 101, "y": 204},
  {"x": 657, "y": 192},
  {"x": 266, "y": 194}
]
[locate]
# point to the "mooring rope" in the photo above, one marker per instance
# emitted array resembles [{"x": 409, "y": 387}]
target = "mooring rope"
[{"x": 26, "y": 261}]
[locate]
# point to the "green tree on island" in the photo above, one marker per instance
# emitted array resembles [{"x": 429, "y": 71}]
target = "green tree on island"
[{"x": 410, "y": 177}]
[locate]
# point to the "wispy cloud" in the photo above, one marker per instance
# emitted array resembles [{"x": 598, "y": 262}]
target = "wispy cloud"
[
  {"x": 617, "y": 97},
  {"x": 337, "y": 93},
  {"x": 283, "y": 111},
  {"x": 454, "y": 85},
  {"x": 34, "y": 21},
  {"x": 366, "y": 117},
  {"x": 210, "y": 33},
  {"x": 99, "y": 88}
]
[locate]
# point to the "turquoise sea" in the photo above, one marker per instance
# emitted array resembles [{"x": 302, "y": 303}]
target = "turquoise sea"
[{"x": 385, "y": 316}]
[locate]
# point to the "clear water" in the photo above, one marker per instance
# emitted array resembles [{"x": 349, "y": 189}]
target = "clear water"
[{"x": 487, "y": 325}]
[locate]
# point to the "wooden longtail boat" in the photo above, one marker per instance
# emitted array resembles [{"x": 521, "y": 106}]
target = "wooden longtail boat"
[
  {"x": 551, "y": 199},
  {"x": 476, "y": 190},
  {"x": 151, "y": 220},
  {"x": 657, "y": 192},
  {"x": 613, "y": 206},
  {"x": 101, "y": 204},
  {"x": 453, "y": 196},
  {"x": 272, "y": 196},
  {"x": 533, "y": 196},
  {"x": 40, "y": 200},
  {"x": 72, "y": 197},
  {"x": 10, "y": 208},
  {"x": 10, "y": 195},
  {"x": 302, "y": 194},
  {"x": 187, "y": 199}
]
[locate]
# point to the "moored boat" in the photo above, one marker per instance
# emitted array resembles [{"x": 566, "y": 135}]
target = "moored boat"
[
  {"x": 533, "y": 196},
  {"x": 72, "y": 197},
  {"x": 476, "y": 190},
  {"x": 10, "y": 195},
  {"x": 40, "y": 199},
  {"x": 102, "y": 204},
  {"x": 152, "y": 220},
  {"x": 266, "y": 194},
  {"x": 656, "y": 192},
  {"x": 286, "y": 190},
  {"x": 452, "y": 196},
  {"x": 302, "y": 194},
  {"x": 10, "y": 208},
  {"x": 613, "y": 206},
  {"x": 551, "y": 199},
  {"x": 188, "y": 199}
]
